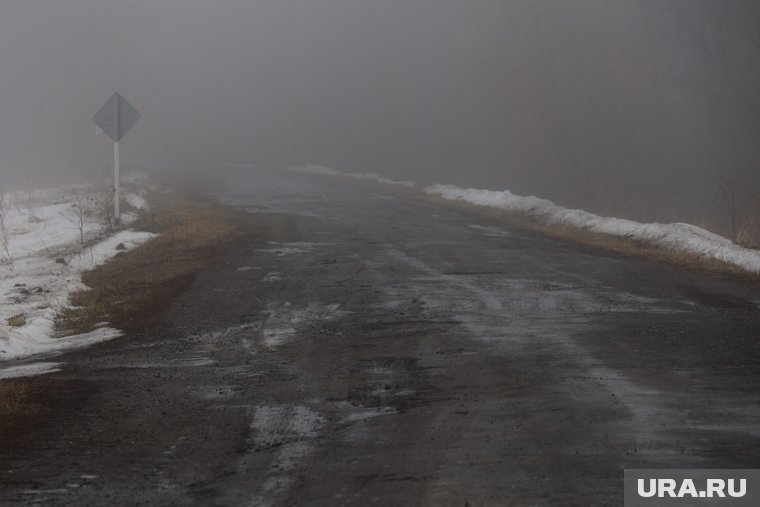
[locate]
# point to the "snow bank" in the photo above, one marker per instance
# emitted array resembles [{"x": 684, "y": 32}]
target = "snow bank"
[
  {"x": 325, "y": 171},
  {"x": 314, "y": 169},
  {"x": 102, "y": 252},
  {"x": 136, "y": 201},
  {"x": 382, "y": 179},
  {"x": 677, "y": 237},
  {"x": 44, "y": 261}
]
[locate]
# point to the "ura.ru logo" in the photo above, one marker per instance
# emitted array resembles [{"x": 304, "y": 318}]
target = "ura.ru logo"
[{"x": 714, "y": 488}]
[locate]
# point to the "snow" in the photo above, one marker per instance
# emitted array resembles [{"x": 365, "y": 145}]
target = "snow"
[
  {"x": 382, "y": 179},
  {"x": 28, "y": 370},
  {"x": 136, "y": 201},
  {"x": 102, "y": 252},
  {"x": 292, "y": 248},
  {"x": 290, "y": 432},
  {"x": 40, "y": 338},
  {"x": 136, "y": 178},
  {"x": 314, "y": 169},
  {"x": 325, "y": 171},
  {"x": 45, "y": 228},
  {"x": 677, "y": 237},
  {"x": 280, "y": 324}
]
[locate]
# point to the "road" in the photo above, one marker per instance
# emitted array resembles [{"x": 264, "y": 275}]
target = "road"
[{"x": 376, "y": 349}]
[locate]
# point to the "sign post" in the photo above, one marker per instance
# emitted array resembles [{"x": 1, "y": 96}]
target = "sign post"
[
  {"x": 116, "y": 184},
  {"x": 115, "y": 118}
]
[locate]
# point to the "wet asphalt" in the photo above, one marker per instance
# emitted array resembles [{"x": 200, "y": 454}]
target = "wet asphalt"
[{"x": 372, "y": 348}]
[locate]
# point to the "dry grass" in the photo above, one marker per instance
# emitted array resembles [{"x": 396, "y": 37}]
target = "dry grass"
[
  {"x": 607, "y": 242},
  {"x": 131, "y": 289},
  {"x": 617, "y": 244}
]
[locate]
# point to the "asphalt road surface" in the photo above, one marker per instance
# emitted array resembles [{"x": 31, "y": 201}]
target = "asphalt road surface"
[{"x": 375, "y": 349}]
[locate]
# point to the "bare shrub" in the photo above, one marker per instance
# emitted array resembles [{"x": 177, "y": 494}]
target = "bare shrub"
[
  {"x": 729, "y": 203},
  {"x": 6, "y": 257},
  {"x": 29, "y": 201},
  {"x": 104, "y": 198},
  {"x": 742, "y": 212},
  {"x": 748, "y": 234},
  {"x": 77, "y": 214}
]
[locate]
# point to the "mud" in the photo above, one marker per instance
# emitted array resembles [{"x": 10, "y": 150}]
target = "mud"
[{"x": 376, "y": 350}]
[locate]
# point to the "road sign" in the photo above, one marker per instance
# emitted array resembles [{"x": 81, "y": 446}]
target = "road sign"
[{"x": 116, "y": 117}]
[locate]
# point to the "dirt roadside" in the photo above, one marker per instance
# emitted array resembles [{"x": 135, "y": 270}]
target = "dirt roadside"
[
  {"x": 130, "y": 292},
  {"x": 604, "y": 242}
]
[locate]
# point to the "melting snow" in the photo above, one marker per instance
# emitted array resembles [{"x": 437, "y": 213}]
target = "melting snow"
[
  {"x": 44, "y": 243},
  {"x": 281, "y": 323},
  {"x": 28, "y": 370},
  {"x": 382, "y": 179},
  {"x": 677, "y": 237},
  {"x": 292, "y": 248},
  {"x": 290, "y": 430}
]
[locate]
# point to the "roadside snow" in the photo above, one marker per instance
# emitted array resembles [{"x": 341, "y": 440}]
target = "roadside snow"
[
  {"x": 325, "y": 171},
  {"x": 677, "y": 237},
  {"x": 28, "y": 370},
  {"x": 314, "y": 169},
  {"x": 136, "y": 201},
  {"x": 102, "y": 252},
  {"x": 382, "y": 179},
  {"x": 45, "y": 259}
]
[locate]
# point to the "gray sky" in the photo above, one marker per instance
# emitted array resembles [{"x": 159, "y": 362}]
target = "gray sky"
[{"x": 581, "y": 101}]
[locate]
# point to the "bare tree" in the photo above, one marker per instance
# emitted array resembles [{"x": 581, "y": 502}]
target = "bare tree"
[
  {"x": 749, "y": 227},
  {"x": 730, "y": 204},
  {"x": 104, "y": 198},
  {"x": 6, "y": 257},
  {"x": 29, "y": 186},
  {"x": 77, "y": 215}
]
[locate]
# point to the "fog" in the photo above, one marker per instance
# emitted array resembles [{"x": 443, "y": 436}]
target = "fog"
[{"x": 630, "y": 107}]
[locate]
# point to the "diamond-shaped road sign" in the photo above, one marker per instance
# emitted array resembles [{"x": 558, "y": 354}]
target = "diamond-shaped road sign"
[{"x": 116, "y": 117}]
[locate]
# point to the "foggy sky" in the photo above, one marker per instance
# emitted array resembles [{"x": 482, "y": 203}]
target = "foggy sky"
[{"x": 581, "y": 101}]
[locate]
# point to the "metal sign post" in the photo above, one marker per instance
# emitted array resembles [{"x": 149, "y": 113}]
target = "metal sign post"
[
  {"x": 116, "y": 185},
  {"x": 115, "y": 118},
  {"x": 116, "y": 179}
]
